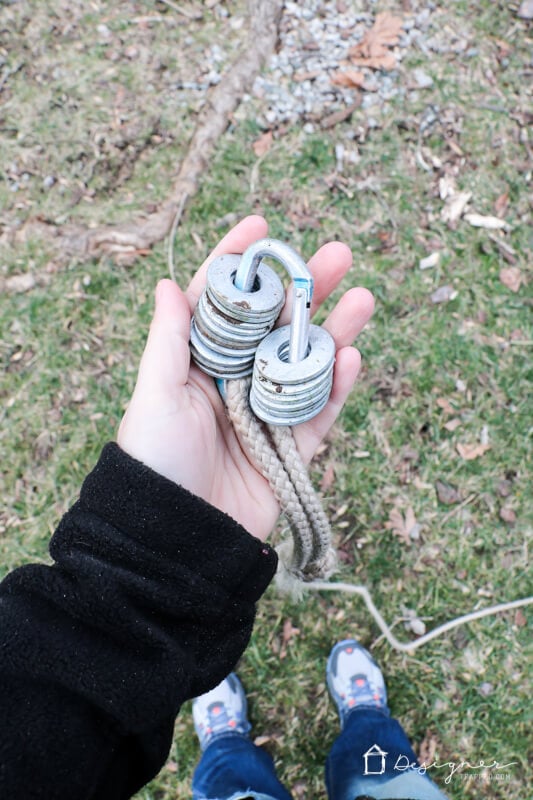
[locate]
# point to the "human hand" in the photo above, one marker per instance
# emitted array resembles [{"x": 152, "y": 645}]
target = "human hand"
[{"x": 176, "y": 422}]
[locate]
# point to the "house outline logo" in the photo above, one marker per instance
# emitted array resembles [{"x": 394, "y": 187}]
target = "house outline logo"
[{"x": 375, "y": 759}]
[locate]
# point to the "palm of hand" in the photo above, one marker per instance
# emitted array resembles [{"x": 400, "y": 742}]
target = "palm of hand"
[{"x": 176, "y": 422}]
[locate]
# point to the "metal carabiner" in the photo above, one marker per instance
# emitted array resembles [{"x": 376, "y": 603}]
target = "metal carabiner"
[{"x": 303, "y": 287}]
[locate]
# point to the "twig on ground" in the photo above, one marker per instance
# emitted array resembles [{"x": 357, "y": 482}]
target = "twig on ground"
[
  {"x": 186, "y": 12},
  {"x": 172, "y": 236}
]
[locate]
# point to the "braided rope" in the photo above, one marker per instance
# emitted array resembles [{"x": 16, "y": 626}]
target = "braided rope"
[{"x": 274, "y": 453}]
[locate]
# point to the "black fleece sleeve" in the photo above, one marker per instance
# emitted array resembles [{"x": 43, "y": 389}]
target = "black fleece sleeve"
[{"x": 150, "y": 601}]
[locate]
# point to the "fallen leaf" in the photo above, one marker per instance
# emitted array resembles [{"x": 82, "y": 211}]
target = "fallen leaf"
[
  {"x": 472, "y": 451},
  {"x": 452, "y": 424},
  {"x": 20, "y": 283},
  {"x": 504, "y": 487},
  {"x": 447, "y": 494},
  {"x": 351, "y": 78},
  {"x": 327, "y": 478},
  {"x": 443, "y": 294},
  {"x": 505, "y": 249},
  {"x": 507, "y": 515},
  {"x": 427, "y": 749},
  {"x": 501, "y": 204},
  {"x": 455, "y": 206},
  {"x": 340, "y": 116},
  {"x": 520, "y": 618},
  {"x": 488, "y": 222},
  {"x": 306, "y": 76},
  {"x": 259, "y": 741},
  {"x": 372, "y": 51},
  {"x": 263, "y": 144},
  {"x": 447, "y": 187},
  {"x": 511, "y": 277},
  {"x": 405, "y": 527},
  {"x": 289, "y": 632},
  {"x": 445, "y": 404}
]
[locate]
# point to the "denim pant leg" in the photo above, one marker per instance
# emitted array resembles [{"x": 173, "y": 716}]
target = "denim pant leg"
[
  {"x": 232, "y": 767},
  {"x": 372, "y": 757}
]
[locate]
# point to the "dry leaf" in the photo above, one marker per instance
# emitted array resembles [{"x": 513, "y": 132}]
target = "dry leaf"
[
  {"x": 427, "y": 749},
  {"x": 372, "y": 51},
  {"x": 445, "y": 404},
  {"x": 471, "y": 451},
  {"x": 20, "y": 283},
  {"x": 488, "y": 222},
  {"x": 452, "y": 424},
  {"x": 520, "y": 618},
  {"x": 507, "y": 515},
  {"x": 351, "y": 78},
  {"x": 405, "y": 527},
  {"x": 501, "y": 204},
  {"x": 259, "y": 741},
  {"x": 511, "y": 277},
  {"x": 263, "y": 144},
  {"x": 327, "y": 478},
  {"x": 340, "y": 116},
  {"x": 288, "y": 633},
  {"x": 455, "y": 206},
  {"x": 447, "y": 494}
]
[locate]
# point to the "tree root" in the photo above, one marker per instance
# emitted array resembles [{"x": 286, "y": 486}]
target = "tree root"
[{"x": 126, "y": 241}]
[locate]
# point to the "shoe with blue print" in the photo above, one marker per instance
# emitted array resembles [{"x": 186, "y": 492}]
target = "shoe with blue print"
[
  {"x": 354, "y": 679},
  {"x": 221, "y": 711}
]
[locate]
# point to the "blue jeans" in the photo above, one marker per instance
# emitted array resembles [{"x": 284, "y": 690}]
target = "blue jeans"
[{"x": 370, "y": 757}]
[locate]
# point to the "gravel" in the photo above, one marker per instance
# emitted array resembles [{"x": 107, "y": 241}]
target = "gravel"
[{"x": 296, "y": 87}]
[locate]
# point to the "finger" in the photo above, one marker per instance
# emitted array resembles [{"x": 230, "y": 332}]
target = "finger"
[
  {"x": 328, "y": 267},
  {"x": 249, "y": 230},
  {"x": 309, "y": 435},
  {"x": 166, "y": 358},
  {"x": 350, "y": 316}
]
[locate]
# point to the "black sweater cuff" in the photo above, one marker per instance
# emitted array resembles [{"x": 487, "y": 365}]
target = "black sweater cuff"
[{"x": 168, "y": 520}]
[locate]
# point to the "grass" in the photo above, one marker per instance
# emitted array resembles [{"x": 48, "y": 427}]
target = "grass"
[{"x": 71, "y": 345}]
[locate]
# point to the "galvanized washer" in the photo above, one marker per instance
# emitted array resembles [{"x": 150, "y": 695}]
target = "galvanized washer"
[
  {"x": 288, "y": 393},
  {"x": 228, "y": 323}
]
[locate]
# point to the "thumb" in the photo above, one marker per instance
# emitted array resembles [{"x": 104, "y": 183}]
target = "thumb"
[{"x": 166, "y": 358}]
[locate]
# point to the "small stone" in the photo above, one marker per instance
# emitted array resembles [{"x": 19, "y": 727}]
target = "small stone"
[
  {"x": 48, "y": 182},
  {"x": 526, "y": 9},
  {"x": 486, "y": 689},
  {"x": 429, "y": 261},
  {"x": 443, "y": 294},
  {"x": 423, "y": 80},
  {"x": 104, "y": 31}
]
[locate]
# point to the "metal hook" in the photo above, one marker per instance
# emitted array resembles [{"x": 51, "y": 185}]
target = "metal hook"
[{"x": 303, "y": 287}]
